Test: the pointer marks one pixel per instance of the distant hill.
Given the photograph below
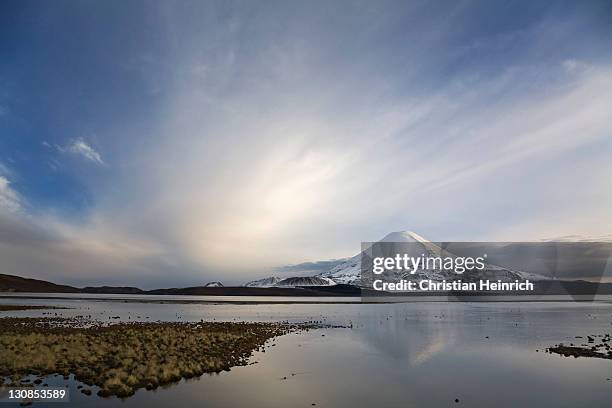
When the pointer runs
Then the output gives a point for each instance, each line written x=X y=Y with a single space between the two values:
x=11 y=283
x=124 y=290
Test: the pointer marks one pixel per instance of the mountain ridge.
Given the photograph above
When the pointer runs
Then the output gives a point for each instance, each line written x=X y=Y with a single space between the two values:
x=10 y=284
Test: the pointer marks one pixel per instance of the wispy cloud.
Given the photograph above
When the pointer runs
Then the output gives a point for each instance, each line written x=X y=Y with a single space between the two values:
x=10 y=200
x=80 y=147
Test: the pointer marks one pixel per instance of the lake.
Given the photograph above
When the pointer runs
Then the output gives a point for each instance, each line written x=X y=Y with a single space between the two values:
x=417 y=354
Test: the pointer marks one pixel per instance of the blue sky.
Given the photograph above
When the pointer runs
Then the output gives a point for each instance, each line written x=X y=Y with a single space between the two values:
x=182 y=142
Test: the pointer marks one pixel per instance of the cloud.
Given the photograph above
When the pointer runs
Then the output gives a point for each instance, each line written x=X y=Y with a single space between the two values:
x=5 y=170
x=295 y=184
x=82 y=148
x=573 y=65
x=10 y=200
x=53 y=249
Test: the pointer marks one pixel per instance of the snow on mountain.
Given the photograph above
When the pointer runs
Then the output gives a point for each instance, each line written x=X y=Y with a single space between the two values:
x=263 y=283
x=305 y=281
x=276 y=282
x=215 y=284
x=349 y=272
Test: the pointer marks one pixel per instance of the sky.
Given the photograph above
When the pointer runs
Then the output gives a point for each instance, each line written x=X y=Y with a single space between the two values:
x=172 y=143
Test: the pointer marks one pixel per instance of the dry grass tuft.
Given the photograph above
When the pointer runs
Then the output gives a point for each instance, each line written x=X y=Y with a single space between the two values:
x=124 y=357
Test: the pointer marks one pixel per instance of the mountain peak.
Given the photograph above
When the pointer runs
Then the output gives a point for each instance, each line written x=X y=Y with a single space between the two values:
x=403 y=236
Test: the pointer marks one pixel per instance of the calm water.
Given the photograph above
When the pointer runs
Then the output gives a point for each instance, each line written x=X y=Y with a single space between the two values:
x=420 y=354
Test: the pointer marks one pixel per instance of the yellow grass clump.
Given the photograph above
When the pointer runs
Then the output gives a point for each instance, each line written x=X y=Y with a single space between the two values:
x=124 y=357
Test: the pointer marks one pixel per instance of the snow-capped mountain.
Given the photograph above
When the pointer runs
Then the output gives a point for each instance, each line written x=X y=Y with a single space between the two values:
x=349 y=272
x=215 y=284
x=274 y=281
x=263 y=283
x=306 y=281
